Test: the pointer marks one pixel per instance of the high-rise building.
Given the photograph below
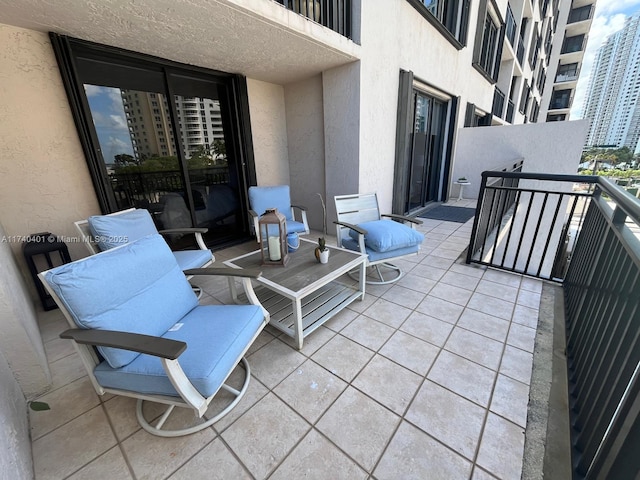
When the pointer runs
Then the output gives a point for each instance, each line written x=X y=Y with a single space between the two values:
x=199 y=123
x=565 y=44
x=612 y=97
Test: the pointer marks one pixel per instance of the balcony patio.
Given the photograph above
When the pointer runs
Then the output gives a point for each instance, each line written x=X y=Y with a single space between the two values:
x=427 y=378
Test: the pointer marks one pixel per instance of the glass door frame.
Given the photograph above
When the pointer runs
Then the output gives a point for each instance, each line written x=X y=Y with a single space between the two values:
x=404 y=140
x=236 y=117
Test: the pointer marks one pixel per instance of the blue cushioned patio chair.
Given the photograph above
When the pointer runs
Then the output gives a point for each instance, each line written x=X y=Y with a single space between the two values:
x=263 y=198
x=140 y=332
x=103 y=232
x=361 y=227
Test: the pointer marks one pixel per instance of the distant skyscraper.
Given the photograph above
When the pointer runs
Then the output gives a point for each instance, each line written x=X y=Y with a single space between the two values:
x=612 y=97
x=150 y=126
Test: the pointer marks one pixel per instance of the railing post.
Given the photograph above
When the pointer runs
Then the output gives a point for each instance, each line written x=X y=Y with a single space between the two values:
x=472 y=240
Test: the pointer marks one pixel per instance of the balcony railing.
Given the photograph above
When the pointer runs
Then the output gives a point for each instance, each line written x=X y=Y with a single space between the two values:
x=589 y=240
x=333 y=14
x=567 y=77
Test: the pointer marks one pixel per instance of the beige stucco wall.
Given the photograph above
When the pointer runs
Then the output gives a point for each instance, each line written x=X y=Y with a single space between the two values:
x=305 y=134
x=269 y=131
x=44 y=179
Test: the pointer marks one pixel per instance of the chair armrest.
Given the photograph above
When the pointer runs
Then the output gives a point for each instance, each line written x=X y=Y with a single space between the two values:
x=183 y=230
x=198 y=231
x=299 y=207
x=135 y=342
x=403 y=218
x=355 y=228
x=227 y=272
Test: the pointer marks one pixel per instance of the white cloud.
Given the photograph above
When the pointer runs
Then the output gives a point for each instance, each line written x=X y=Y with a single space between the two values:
x=602 y=26
x=610 y=7
x=93 y=90
x=118 y=122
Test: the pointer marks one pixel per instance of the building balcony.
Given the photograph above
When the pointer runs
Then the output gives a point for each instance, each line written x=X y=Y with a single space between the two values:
x=463 y=337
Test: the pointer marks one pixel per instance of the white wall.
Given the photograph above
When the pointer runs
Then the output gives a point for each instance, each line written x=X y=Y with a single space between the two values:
x=553 y=147
x=402 y=39
x=15 y=444
x=305 y=133
x=269 y=131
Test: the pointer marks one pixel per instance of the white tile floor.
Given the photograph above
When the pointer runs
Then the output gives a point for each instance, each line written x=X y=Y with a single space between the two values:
x=427 y=378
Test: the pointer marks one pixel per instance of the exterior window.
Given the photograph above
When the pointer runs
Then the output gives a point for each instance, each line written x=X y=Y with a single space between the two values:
x=450 y=17
x=580 y=14
x=567 y=73
x=511 y=27
x=561 y=99
x=556 y=118
x=524 y=98
x=573 y=44
x=489 y=40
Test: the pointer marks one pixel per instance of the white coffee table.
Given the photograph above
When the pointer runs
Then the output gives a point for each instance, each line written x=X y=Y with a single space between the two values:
x=305 y=294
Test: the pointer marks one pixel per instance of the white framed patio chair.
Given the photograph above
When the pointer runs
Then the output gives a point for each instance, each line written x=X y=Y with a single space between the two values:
x=140 y=332
x=383 y=238
x=103 y=232
x=279 y=196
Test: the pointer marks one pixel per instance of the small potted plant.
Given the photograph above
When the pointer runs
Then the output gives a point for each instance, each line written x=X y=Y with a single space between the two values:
x=321 y=251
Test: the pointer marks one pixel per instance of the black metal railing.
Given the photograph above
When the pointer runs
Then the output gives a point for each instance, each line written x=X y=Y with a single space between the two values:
x=589 y=240
x=498 y=103
x=133 y=188
x=333 y=14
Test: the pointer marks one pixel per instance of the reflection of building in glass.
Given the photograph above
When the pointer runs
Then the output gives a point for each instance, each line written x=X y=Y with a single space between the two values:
x=613 y=99
x=200 y=123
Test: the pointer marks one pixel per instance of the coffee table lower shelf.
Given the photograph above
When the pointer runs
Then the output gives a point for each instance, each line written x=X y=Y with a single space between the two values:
x=317 y=307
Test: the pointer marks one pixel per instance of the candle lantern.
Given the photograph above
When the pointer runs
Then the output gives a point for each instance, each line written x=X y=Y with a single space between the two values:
x=273 y=238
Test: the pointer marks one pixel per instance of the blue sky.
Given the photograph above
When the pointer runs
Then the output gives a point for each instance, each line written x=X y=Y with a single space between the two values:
x=609 y=18
x=109 y=120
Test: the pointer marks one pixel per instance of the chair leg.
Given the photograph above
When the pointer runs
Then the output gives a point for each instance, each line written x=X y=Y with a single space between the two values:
x=157 y=428
x=197 y=290
x=397 y=276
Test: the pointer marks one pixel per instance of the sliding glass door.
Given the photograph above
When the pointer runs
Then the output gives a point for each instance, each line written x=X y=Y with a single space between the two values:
x=426 y=152
x=163 y=138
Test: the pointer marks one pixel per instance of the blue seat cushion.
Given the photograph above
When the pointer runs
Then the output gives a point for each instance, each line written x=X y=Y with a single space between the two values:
x=297 y=227
x=192 y=258
x=111 y=231
x=137 y=288
x=351 y=244
x=263 y=198
x=387 y=235
x=216 y=336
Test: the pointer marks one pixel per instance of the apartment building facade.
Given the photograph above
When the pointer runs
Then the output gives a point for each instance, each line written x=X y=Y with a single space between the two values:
x=327 y=96
x=611 y=103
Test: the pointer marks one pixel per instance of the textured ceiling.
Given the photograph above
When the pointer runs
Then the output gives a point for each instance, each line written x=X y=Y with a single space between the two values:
x=257 y=38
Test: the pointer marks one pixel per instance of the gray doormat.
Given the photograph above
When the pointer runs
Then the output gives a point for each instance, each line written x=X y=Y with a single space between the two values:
x=449 y=214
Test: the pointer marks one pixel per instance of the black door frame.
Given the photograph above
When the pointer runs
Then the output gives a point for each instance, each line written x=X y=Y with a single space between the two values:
x=67 y=51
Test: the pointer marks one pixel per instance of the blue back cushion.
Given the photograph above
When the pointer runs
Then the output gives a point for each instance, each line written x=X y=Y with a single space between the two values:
x=136 y=288
x=114 y=230
x=387 y=235
x=262 y=198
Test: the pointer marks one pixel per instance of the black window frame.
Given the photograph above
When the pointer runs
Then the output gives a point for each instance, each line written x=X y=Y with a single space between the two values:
x=490 y=31
x=453 y=25
x=69 y=51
